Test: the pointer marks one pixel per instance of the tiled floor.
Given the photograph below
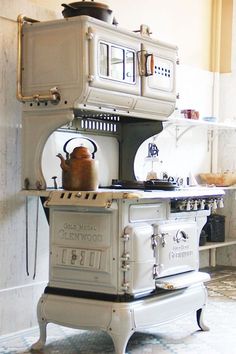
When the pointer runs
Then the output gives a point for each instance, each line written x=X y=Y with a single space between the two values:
x=223 y=284
x=180 y=337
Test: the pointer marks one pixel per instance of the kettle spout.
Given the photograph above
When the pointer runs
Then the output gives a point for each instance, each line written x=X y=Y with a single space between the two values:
x=63 y=165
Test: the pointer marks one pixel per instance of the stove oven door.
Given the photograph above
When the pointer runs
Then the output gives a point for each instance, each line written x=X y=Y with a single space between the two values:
x=175 y=248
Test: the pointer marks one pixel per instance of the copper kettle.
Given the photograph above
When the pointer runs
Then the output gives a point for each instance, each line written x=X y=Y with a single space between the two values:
x=79 y=169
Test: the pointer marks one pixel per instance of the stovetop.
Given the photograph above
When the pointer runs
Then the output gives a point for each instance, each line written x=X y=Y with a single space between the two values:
x=153 y=184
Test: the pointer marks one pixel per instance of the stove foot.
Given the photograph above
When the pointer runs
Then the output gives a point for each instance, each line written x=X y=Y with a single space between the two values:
x=120 y=342
x=200 y=320
x=42 y=330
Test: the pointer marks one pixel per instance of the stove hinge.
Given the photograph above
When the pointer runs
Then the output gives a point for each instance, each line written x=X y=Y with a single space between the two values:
x=125 y=259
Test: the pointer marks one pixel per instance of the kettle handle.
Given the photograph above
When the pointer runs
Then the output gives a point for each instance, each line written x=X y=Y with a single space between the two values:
x=81 y=137
x=68 y=6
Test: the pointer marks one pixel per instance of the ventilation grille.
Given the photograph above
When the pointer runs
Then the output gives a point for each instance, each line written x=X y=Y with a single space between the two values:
x=109 y=126
x=95 y=123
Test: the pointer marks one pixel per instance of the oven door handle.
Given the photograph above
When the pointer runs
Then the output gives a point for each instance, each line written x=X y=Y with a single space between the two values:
x=158 y=241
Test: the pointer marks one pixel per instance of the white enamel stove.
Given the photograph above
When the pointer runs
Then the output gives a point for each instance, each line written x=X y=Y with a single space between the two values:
x=124 y=261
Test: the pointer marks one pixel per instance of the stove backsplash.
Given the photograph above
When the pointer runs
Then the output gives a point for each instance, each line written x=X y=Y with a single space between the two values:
x=173 y=161
x=107 y=155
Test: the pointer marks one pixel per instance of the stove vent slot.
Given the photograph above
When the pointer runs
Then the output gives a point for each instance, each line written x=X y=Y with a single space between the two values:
x=94 y=123
x=104 y=126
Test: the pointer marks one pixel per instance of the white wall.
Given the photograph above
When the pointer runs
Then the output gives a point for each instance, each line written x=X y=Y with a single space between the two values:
x=186 y=23
x=183 y=150
x=19 y=293
x=227 y=149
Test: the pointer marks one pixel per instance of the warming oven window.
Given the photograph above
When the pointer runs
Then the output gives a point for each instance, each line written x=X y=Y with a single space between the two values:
x=116 y=63
x=104 y=59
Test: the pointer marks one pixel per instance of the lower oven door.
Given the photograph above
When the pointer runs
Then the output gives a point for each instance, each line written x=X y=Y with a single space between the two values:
x=175 y=247
x=181 y=281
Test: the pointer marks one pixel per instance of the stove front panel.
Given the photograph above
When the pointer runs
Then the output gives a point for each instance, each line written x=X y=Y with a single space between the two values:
x=121 y=247
x=83 y=250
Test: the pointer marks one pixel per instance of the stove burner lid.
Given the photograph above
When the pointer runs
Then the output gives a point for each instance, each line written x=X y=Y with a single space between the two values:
x=152 y=184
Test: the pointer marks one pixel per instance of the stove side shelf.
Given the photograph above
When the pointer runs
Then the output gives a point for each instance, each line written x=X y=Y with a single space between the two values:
x=183 y=125
x=212 y=247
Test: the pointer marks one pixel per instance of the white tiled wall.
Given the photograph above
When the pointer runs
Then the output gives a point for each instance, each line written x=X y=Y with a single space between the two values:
x=19 y=293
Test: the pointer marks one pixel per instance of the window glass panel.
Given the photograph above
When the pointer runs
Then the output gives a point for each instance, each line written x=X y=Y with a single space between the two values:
x=104 y=71
x=117 y=63
x=130 y=72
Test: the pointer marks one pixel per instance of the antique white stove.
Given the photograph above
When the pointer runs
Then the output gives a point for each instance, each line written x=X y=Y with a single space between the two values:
x=121 y=260
x=124 y=261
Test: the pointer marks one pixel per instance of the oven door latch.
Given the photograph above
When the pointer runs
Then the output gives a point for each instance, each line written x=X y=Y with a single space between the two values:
x=158 y=240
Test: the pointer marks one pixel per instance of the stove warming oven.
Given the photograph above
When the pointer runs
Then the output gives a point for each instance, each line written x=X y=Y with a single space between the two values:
x=121 y=259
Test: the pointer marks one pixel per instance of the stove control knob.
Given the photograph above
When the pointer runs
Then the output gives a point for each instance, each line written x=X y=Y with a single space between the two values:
x=221 y=203
x=214 y=204
x=202 y=205
x=209 y=203
x=188 y=206
x=195 y=205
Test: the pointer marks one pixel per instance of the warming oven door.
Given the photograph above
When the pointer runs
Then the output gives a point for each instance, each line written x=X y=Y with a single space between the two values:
x=158 y=80
x=113 y=61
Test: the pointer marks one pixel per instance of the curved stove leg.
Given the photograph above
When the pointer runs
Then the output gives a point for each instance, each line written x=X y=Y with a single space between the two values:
x=42 y=326
x=120 y=342
x=200 y=320
x=42 y=337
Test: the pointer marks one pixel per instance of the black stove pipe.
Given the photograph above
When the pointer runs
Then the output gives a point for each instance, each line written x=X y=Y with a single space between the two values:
x=133 y=134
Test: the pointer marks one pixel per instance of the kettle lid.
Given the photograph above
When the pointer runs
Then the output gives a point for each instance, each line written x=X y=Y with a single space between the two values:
x=81 y=152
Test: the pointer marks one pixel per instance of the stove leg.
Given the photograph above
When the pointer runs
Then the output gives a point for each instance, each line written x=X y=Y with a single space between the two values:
x=200 y=320
x=42 y=327
x=42 y=337
x=120 y=342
